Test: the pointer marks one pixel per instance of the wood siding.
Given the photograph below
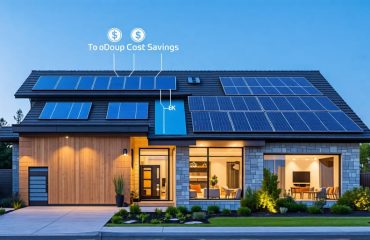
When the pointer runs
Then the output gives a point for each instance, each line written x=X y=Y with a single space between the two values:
x=81 y=168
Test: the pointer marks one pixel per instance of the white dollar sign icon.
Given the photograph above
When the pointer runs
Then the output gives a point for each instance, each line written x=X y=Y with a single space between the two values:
x=138 y=35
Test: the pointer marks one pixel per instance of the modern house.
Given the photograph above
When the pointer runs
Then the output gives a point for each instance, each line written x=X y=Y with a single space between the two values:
x=182 y=137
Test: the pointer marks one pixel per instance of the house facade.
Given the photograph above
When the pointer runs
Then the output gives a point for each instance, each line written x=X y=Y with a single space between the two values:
x=182 y=137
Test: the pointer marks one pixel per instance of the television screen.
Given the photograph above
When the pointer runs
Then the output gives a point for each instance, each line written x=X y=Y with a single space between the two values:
x=301 y=177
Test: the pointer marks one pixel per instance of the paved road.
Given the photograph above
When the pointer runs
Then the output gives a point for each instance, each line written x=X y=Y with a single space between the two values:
x=46 y=221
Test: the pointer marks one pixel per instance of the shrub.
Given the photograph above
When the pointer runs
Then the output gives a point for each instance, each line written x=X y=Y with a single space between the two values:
x=213 y=209
x=196 y=208
x=199 y=215
x=17 y=204
x=266 y=202
x=2 y=211
x=182 y=209
x=300 y=207
x=167 y=216
x=172 y=211
x=143 y=217
x=285 y=202
x=6 y=202
x=135 y=209
x=158 y=212
x=116 y=219
x=314 y=210
x=250 y=199
x=357 y=198
x=320 y=203
x=181 y=217
x=122 y=213
x=226 y=212
x=340 y=209
x=155 y=221
x=244 y=211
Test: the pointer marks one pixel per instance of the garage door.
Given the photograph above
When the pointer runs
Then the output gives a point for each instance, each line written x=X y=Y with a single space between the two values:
x=38 y=186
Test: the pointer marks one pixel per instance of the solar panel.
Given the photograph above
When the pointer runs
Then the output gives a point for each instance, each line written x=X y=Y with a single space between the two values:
x=201 y=122
x=312 y=104
x=239 y=103
x=282 y=103
x=258 y=121
x=101 y=83
x=66 y=110
x=329 y=121
x=346 y=122
x=267 y=103
x=278 y=121
x=296 y=122
x=297 y=103
x=74 y=82
x=67 y=83
x=252 y=103
x=46 y=83
x=127 y=110
x=240 y=122
x=268 y=86
x=210 y=103
x=225 y=103
x=116 y=83
x=196 y=104
x=86 y=83
x=312 y=121
x=220 y=122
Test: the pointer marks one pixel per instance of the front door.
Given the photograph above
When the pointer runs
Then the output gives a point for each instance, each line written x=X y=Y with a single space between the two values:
x=150 y=182
x=38 y=186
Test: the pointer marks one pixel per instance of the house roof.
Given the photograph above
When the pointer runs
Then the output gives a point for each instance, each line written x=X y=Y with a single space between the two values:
x=7 y=135
x=209 y=86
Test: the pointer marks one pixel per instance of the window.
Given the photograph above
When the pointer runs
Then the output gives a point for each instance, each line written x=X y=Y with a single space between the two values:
x=215 y=173
x=306 y=177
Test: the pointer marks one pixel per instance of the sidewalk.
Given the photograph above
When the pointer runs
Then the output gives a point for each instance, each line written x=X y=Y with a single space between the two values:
x=232 y=231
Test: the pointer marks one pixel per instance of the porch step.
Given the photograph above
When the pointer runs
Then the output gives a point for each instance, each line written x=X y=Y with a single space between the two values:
x=156 y=204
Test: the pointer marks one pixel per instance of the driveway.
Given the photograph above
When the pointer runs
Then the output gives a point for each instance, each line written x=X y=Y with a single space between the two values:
x=47 y=221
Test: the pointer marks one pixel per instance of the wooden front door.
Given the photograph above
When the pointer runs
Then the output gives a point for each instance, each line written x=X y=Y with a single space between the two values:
x=150 y=182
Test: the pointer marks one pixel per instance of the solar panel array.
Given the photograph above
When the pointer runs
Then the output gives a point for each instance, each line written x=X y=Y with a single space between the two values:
x=83 y=83
x=268 y=86
x=127 y=110
x=66 y=110
x=268 y=114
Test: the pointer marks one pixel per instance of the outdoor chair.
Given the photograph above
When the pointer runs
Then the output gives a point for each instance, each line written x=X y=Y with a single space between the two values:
x=321 y=194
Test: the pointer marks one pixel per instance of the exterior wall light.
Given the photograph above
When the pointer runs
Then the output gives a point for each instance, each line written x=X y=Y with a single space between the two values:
x=66 y=137
x=125 y=152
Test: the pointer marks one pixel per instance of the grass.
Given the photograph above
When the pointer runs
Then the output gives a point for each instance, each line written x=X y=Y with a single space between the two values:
x=267 y=222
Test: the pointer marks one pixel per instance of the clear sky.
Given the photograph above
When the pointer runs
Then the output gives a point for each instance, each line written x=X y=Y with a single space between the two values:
x=330 y=36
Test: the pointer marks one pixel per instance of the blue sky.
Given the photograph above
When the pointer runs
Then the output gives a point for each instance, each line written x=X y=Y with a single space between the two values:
x=330 y=36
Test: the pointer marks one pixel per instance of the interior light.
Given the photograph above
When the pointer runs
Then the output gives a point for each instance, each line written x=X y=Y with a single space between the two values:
x=67 y=137
x=125 y=152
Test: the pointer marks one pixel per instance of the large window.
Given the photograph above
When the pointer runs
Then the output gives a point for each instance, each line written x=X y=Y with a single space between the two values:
x=306 y=177
x=215 y=173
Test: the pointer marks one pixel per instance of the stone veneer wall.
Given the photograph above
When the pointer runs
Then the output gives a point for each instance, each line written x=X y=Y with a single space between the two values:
x=350 y=160
x=182 y=176
x=253 y=168
x=15 y=168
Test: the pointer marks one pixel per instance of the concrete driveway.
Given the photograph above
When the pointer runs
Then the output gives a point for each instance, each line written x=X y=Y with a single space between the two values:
x=48 y=221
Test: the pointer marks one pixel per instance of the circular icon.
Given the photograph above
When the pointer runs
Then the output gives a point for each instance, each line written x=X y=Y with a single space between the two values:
x=138 y=35
x=114 y=35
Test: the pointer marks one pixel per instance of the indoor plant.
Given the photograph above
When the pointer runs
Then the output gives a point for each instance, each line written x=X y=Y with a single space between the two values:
x=119 y=185
x=214 y=181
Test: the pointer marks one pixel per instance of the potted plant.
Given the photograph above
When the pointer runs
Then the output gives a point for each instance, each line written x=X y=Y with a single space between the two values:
x=119 y=185
x=134 y=197
x=213 y=181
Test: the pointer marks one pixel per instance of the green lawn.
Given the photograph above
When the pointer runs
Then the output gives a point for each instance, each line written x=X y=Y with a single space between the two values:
x=267 y=222
x=288 y=221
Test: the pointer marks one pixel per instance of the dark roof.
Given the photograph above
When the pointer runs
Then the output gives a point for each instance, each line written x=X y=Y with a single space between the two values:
x=209 y=86
x=7 y=135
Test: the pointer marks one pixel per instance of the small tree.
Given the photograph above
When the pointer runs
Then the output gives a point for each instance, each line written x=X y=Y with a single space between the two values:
x=3 y=122
x=270 y=184
x=364 y=157
x=18 y=117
